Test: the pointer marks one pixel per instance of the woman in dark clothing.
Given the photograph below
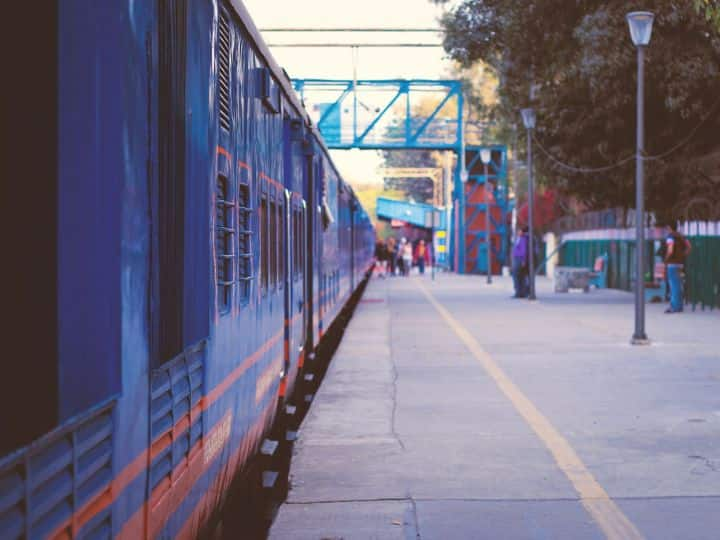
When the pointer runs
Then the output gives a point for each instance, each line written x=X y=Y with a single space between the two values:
x=520 y=264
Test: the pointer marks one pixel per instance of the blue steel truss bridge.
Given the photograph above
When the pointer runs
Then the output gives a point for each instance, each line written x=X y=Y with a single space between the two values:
x=415 y=114
x=384 y=114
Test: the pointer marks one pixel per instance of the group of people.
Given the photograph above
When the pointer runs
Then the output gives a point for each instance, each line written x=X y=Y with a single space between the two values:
x=397 y=258
x=673 y=251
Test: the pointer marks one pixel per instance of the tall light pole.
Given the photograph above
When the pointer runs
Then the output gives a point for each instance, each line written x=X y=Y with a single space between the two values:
x=528 y=116
x=485 y=158
x=640 y=23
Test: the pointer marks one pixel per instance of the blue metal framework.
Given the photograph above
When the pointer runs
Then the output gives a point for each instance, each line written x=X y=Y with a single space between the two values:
x=475 y=204
x=346 y=121
x=382 y=115
x=417 y=214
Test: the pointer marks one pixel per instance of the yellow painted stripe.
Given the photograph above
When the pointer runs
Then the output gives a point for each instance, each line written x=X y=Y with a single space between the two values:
x=593 y=497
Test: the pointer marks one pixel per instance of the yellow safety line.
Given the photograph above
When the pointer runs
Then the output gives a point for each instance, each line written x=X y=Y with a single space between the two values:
x=593 y=497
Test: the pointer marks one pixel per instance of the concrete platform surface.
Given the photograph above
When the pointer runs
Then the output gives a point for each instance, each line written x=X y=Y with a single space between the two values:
x=452 y=411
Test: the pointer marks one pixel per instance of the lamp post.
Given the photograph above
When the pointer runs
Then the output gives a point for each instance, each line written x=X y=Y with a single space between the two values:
x=528 y=116
x=459 y=216
x=640 y=23
x=485 y=158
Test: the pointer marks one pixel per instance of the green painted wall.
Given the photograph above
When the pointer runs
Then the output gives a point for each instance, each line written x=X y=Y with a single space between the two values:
x=702 y=268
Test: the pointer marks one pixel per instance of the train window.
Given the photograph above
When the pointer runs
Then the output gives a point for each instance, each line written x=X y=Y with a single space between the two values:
x=293 y=244
x=185 y=257
x=33 y=282
x=244 y=242
x=223 y=71
x=263 y=228
x=223 y=243
x=297 y=243
x=272 y=244
x=281 y=244
x=302 y=245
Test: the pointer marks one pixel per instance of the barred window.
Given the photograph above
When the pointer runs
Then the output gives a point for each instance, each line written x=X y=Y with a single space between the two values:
x=244 y=242
x=223 y=243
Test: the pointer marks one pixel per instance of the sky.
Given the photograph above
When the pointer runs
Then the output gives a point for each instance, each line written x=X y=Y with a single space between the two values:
x=372 y=63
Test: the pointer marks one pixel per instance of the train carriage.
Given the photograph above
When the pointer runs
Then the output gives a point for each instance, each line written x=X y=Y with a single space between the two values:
x=205 y=244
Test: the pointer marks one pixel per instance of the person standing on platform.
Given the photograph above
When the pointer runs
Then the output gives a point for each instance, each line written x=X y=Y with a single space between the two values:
x=407 y=258
x=677 y=249
x=422 y=256
x=520 y=261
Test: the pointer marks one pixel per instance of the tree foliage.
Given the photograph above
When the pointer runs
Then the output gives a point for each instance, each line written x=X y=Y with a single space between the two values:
x=415 y=189
x=710 y=9
x=574 y=62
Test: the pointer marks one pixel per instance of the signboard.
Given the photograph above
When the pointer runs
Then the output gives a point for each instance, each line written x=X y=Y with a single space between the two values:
x=440 y=243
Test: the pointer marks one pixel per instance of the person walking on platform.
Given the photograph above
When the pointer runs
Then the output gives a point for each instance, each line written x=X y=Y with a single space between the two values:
x=399 y=256
x=422 y=256
x=520 y=254
x=677 y=249
x=381 y=258
x=407 y=258
x=390 y=252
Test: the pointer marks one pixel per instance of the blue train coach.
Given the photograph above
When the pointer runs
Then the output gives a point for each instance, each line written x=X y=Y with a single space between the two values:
x=185 y=243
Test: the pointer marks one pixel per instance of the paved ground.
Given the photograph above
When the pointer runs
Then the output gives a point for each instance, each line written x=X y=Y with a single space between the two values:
x=451 y=411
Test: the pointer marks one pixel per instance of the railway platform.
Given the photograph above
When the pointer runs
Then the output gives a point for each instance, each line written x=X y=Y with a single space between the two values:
x=452 y=411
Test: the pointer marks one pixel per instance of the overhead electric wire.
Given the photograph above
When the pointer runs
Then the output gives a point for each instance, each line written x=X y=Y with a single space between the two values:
x=324 y=45
x=438 y=30
x=582 y=170
x=590 y=170
x=689 y=136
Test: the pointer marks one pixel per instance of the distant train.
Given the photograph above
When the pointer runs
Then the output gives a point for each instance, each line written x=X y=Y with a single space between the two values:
x=198 y=243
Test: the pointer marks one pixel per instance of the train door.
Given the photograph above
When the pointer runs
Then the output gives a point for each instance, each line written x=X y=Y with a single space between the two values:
x=305 y=270
x=353 y=206
x=288 y=285
x=296 y=309
x=308 y=251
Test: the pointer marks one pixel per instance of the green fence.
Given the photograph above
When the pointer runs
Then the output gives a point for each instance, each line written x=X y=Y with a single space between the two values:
x=702 y=268
x=703 y=272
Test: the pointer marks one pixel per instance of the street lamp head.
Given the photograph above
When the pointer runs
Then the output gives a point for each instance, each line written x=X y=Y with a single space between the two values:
x=528 y=116
x=640 y=23
x=485 y=155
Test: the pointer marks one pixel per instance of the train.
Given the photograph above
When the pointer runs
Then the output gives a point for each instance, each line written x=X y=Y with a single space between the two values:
x=191 y=243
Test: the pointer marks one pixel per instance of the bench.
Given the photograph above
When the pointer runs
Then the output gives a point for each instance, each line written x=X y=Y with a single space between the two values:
x=572 y=277
x=599 y=275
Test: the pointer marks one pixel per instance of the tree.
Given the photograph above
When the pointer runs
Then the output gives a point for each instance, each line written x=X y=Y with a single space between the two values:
x=710 y=9
x=575 y=64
